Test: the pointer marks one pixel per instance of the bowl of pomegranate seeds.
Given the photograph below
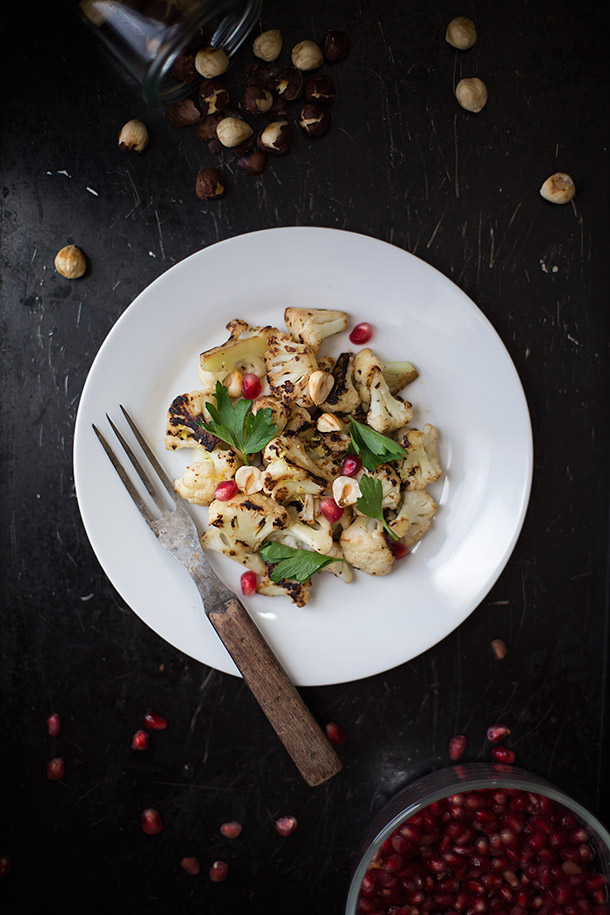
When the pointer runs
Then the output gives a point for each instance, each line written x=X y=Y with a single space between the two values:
x=482 y=838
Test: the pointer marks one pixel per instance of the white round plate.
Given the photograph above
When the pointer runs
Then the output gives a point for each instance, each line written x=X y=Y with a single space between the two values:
x=467 y=388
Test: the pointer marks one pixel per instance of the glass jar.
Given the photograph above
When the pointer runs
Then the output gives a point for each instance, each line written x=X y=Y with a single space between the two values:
x=156 y=39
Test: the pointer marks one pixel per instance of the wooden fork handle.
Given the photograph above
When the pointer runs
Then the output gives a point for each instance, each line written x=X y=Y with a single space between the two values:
x=294 y=724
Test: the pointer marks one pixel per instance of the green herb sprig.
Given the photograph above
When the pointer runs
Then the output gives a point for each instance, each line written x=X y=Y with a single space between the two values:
x=373 y=447
x=292 y=563
x=237 y=426
x=369 y=502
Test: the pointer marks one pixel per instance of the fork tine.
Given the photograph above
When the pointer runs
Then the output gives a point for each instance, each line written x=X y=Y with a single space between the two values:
x=149 y=454
x=133 y=492
x=150 y=489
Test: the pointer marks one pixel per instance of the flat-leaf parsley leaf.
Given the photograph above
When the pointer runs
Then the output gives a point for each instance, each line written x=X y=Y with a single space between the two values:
x=369 y=502
x=237 y=426
x=373 y=447
x=292 y=563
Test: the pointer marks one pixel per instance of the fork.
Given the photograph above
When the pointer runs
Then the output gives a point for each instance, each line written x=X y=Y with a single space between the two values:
x=175 y=529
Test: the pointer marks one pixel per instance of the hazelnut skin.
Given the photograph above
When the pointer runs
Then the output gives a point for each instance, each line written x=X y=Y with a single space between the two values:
x=133 y=136
x=461 y=33
x=471 y=93
x=320 y=90
x=278 y=110
x=213 y=97
x=209 y=184
x=211 y=62
x=70 y=262
x=306 y=55
x=287 y=84
x=276 y=138
x=253 y=162
x=206 y=128
x=183 y=67
x=184 y=113
x=233 y=131
x=335 y=46
x=268 y=45
x=314 y=120
x=559 y=188
x=256 y=100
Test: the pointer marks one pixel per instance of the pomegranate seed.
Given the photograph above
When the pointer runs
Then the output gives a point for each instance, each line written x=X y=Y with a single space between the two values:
x=502 y=755
x=498 y=649
x=497 y=732
x=190 y=865
x=5 y=866
x=225 y=490
x=457 y=745
x=249 y=583
x=250 y=386
x=218 y=871
x=329 y=508
x=151 y=822
x=54 y=725
x=286 y=825
x=139 y=741
x=361 y=333
x=398 y=549
x=351 y=465
x=335 y=733
x=56 y=769
x=595 y=882
x=231 y=830
x=154 y=721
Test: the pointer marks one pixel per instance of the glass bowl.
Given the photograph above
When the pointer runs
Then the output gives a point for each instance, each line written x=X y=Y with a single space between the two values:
x=460 y=779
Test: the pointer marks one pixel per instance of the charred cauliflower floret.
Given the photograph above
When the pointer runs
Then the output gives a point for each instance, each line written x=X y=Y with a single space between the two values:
x=279 y=411
x=386 y=413
x=390 y=484
x=344 y=397
x=289 y=365
x=200 y=479
x=184 y=416
x=398 y=375
x=244 y=350
x=365 y=548
x=313 y=325
x=291 y=449
x=298 y=592
x=363 y=366
x=242 y=524
x=421 y=466
x=287 y=482
x=414 y=516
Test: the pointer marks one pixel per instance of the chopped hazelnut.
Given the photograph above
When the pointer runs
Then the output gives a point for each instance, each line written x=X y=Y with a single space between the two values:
x=233 y=383
x=335 y=46
x=256 y=100
x=249 y=479
x=213 y=97
x=314 y=120
x=471 y=93
x=306 y=55
x=70 y=262
x=211 y=62
x=320 y=90
x=276 y=138
x=559 y=188
x=319 y=386
x=233 y=131
x=328 y=422
x=461 y=33
x=184 y=113
x=287 y=84
x=133 y=136
x=209 y=184
x=268 y=45
x=346 y=491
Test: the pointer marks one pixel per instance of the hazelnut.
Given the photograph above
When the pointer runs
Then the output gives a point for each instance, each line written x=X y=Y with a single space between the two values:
x=133 y=136
x=233 y=383
x=461 y=33
x=233 y=131
x=184 y=113
x=209 y=184
x=314 y=120
x=256 y=100
x=471 y=93
x=328 y=422
x=278 y=110
x=268 y=45
x=213 y=97
x=320 y=90
x=335 y=46
x=287 y=84
x=346 y=491
x=211 y=62
x=319 y=386
x=306 y=55
x=253 y=162
x=70 y=262
x=249 y=479
x=559 y=188
x=276 y=138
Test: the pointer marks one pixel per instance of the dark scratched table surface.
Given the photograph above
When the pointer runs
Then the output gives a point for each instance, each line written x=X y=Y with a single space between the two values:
x=402 y=163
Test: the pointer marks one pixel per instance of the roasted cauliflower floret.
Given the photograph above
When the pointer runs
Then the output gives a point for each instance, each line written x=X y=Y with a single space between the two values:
x=313 y=325
x=364 y=363
x=291 y=449
x=298 y=592
x=299 y=421
x=398 y=375
x=289 y=365
x=279 y=411
x=342 y=569
x=365 y=547
x=386 y=412
x=344 y=397
x=200 y=479
x=414 y=516
x=390 y=484
x=421 y=466
x=287 y=482
x=246 y=521
x=244 y=350
x=184 y=416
